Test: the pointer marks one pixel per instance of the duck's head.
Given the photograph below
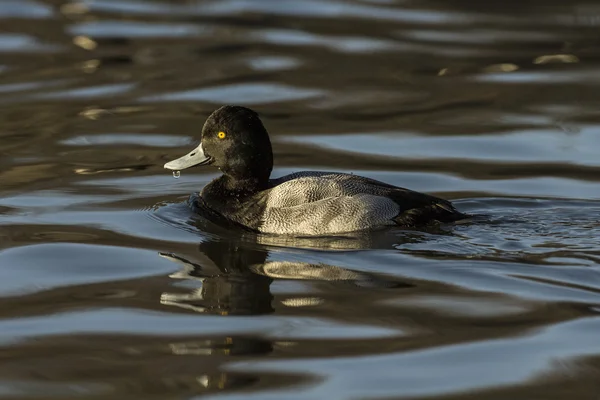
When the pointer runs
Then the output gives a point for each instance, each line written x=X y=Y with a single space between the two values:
x=234 y=140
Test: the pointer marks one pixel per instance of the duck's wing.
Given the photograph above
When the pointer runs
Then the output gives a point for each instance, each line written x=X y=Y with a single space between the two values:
x=304 y=187
x=418 y=208
x=332 y=215
x=324 y=203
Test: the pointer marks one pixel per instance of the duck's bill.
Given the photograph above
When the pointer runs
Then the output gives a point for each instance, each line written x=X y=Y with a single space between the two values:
x=191 y=159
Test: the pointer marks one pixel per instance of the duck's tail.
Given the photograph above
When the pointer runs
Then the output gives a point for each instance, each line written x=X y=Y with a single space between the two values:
x=439 y=212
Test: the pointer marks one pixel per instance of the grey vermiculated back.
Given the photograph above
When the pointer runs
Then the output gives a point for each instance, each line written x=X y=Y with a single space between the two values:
x=302 y=187
x=320 y=203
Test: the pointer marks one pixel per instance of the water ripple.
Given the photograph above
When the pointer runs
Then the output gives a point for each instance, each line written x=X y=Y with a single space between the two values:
x=104 y=29
x=21 y=43
x=25 y=9
x=246 y=93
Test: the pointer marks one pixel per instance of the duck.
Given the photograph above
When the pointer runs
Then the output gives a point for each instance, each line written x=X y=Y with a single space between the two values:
x=306 y=203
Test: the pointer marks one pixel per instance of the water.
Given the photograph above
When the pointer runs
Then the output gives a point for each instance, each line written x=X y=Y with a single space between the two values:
x=113 y=289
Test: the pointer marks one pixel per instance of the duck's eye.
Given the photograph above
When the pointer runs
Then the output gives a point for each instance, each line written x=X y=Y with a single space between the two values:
x=221 y=135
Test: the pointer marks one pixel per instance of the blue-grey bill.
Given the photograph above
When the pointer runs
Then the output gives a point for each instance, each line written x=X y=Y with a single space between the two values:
x=191 y=159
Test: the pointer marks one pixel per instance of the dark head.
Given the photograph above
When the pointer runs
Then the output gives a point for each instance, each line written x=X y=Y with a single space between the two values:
x=234 y=140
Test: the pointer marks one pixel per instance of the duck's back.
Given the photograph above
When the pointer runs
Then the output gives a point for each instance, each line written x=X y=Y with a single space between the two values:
x=321 y=203
x=309 y=186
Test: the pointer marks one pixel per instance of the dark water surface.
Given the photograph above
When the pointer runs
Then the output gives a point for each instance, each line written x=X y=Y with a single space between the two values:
x=112 y=289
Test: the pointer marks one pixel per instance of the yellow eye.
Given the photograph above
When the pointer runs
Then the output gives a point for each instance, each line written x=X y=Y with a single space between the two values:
x=221 y=135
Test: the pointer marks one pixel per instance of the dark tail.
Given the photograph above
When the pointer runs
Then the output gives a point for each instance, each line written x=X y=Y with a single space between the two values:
x=425 y=215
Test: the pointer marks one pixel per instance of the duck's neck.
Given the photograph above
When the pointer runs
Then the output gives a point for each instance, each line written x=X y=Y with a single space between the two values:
x=241 y=187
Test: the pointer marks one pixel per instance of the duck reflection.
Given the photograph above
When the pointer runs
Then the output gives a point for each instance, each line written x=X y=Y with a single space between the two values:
x=230 y=346
x=228 y=286
x=235 y=274
x=232 y=276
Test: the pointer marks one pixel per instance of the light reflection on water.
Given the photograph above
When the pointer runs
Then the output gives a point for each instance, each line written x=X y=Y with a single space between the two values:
x=525 y=146
x=112 y=288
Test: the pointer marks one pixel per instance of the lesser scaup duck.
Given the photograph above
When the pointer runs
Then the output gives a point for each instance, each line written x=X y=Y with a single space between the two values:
x=303 y=203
